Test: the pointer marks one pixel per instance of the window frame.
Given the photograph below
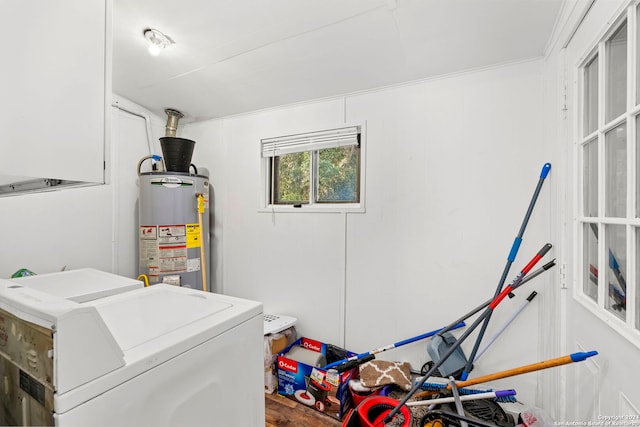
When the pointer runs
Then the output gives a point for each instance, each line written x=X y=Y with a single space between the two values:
x=629 y=327
x=317 y=207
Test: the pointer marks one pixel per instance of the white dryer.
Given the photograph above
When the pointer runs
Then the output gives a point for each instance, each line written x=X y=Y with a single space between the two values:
x=128 y=355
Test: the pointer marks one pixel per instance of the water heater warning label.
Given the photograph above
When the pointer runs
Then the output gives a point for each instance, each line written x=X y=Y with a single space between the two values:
x=163 y=248
x=177 y=264
x=149 y=232
x=193 y=235
x=172 y=246
x=171 y=232
x=149 y=248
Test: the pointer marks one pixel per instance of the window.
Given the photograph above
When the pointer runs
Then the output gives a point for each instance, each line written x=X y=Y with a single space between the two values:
x=608 y=176
x=318 y=169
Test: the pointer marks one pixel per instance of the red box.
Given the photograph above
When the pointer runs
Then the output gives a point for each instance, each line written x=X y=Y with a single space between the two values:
x=312 y=386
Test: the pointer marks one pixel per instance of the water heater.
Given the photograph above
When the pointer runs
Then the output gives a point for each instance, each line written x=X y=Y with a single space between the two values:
x=173 y=216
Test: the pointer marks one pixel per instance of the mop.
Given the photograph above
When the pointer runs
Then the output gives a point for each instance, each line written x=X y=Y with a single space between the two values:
x=512 y=256
x=492 y=305
x=459 y=358
x=350 y=362
x=524 y=280
x=502 y=396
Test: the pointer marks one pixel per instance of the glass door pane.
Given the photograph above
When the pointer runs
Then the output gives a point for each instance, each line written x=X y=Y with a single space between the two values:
x=616 y=272
x=590 y=119
x=590 y=178
x=616 y=172
x=637 y=58
x=616 y=74
x=637 y=232
x=590 y=254
x=637 y=192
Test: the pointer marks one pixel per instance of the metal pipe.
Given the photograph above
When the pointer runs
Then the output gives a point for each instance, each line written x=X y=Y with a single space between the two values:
x=172 y=121
x=147 y=122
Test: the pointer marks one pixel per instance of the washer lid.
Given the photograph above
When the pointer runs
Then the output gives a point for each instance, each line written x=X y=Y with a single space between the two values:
x=138 y=317
x=149 y=326
x=82 y=285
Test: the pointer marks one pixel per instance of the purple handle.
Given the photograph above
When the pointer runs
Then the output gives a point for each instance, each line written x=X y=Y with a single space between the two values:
x=504 y=393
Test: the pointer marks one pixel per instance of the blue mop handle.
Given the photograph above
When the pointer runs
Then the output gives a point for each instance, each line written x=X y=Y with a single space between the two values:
x=423 y=336
x=389 y=347
x=516 y=245
x=545 y=170
x=510 y=259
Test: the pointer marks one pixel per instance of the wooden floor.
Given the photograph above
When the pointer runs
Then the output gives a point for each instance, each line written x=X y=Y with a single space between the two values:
x=283 y=412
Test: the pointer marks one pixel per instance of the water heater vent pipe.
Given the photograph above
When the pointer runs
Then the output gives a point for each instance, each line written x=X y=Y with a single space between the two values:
x=172 y=121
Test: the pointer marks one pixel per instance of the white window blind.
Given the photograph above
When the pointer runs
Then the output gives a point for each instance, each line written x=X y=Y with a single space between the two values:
x=272 y=147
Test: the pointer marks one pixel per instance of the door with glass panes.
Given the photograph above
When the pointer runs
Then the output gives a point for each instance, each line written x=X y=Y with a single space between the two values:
x=603 y=213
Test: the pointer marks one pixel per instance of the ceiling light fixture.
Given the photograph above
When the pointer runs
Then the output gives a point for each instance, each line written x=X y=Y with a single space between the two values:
x=157 y=40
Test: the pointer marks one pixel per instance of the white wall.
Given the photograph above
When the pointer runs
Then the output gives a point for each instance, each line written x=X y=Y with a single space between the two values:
x=451 y=165
x=552 y=322
x=45 y=232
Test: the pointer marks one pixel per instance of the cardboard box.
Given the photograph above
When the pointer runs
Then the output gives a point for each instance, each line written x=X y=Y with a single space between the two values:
x=274 y=344
x=302 y=382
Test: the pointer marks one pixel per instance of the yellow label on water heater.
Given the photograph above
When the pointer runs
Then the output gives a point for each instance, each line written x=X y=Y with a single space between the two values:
x=193 y=235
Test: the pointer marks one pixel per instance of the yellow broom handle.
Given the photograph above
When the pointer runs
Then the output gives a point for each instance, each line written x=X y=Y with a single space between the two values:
x=574 y=357
x=516 y=371
x=202 y=260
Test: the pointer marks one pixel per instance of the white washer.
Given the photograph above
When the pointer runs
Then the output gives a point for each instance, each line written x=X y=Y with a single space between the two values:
x=161 y=355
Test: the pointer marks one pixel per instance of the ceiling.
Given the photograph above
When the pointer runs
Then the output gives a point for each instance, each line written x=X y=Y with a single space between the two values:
x=234 y=56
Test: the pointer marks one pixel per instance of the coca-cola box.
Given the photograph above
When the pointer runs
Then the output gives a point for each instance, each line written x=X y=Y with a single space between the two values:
x=301 y=377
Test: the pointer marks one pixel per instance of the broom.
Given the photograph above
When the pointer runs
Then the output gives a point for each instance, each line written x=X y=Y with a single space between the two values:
x=558 y=361
x=498 y=394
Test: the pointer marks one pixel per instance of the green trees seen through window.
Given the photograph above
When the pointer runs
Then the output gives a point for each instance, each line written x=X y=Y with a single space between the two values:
x=335 y=173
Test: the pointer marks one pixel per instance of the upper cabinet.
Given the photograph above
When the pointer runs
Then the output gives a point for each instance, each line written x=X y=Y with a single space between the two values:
x=55 y=83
